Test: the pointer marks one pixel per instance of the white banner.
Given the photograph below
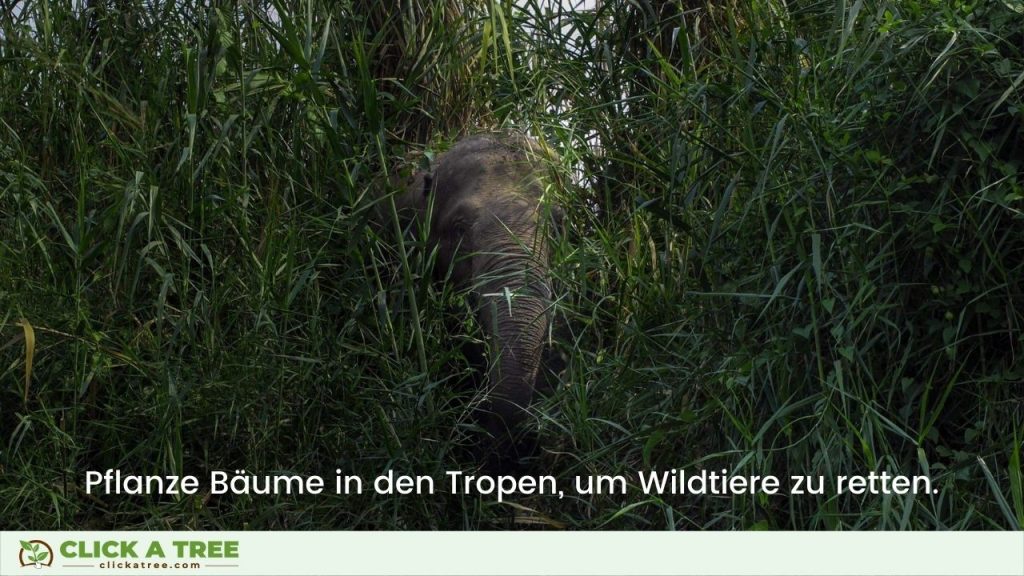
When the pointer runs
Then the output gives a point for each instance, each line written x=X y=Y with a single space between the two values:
x=508 y=553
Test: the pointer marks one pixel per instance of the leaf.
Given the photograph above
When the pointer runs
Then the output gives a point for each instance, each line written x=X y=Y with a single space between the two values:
x=851 y=20
x=816 y=257
x=30 y=352
x=508 y=298
x=1013 y=88
x=760 y=525
x=1004 y=506
x=41 y=556
x=26 y=545
x=1016 y=492
x=652 y=441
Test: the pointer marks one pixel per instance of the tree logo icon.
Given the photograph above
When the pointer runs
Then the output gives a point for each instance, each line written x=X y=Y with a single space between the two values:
x=35 y=553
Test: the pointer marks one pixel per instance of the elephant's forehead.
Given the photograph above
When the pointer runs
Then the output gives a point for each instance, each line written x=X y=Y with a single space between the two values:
x=489 y=209
x=489 y=174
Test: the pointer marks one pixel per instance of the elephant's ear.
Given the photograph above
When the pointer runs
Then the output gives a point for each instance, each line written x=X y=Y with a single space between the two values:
x=557 y=215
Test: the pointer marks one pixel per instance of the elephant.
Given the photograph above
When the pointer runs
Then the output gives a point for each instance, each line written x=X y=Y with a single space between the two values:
x=482 y=202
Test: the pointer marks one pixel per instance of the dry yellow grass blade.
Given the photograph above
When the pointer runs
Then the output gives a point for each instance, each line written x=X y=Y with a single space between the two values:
x=531 y=517
x=30 y=352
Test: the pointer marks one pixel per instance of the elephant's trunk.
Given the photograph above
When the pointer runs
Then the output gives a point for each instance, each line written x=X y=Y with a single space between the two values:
x=514 y=300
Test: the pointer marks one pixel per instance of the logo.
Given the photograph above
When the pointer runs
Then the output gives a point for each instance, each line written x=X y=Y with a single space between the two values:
x=35 y=553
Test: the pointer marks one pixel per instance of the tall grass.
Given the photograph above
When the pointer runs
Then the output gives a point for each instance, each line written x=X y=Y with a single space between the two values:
x=794 y=245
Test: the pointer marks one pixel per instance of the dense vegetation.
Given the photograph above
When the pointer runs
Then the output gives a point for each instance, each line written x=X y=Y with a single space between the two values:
x=794 y=244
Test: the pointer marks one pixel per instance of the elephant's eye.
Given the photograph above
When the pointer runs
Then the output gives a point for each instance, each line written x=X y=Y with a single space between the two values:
x=428 y=182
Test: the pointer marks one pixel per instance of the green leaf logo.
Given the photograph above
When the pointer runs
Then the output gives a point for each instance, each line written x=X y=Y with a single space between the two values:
x=35 y=552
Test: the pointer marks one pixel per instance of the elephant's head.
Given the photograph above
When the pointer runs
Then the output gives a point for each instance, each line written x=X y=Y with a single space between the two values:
x=482 y=200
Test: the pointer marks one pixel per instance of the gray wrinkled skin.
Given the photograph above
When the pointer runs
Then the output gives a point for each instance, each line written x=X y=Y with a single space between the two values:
x=485 y=217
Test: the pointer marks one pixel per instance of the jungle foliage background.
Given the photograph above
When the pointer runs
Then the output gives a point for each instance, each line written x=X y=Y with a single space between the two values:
x=793 y=245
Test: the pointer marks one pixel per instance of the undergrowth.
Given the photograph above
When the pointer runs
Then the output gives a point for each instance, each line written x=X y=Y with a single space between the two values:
x=793 y=245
